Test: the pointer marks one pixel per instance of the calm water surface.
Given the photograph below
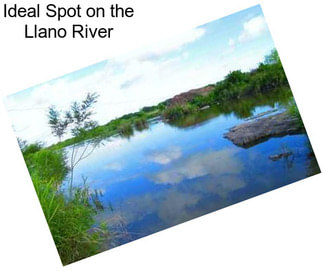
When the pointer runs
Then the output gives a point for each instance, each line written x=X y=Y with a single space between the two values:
x=171 y=173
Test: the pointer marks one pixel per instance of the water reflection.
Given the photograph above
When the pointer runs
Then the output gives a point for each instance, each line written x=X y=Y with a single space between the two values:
x=241 y=109
x=166 y=156
x=171 y=173
x=212 y=163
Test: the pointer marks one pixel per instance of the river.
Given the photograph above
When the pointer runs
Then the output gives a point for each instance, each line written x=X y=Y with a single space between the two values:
x=170 y=173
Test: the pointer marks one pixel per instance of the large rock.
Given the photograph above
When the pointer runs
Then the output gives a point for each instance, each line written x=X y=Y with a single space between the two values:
x=252 y=132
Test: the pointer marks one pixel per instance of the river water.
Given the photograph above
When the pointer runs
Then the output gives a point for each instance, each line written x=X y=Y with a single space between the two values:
x=171 y=173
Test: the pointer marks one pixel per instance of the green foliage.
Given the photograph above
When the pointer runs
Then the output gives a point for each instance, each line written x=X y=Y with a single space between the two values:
x=141 y=124
x=201 y=101
x=272 y=58
x=179 y=111
x=47 y=165
x=32 y=148
x=79 y=117
x=267 y=78
x=55 y=122
x=125 y=129
x=70 y=222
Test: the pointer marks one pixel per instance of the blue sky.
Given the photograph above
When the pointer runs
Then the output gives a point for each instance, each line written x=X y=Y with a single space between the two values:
x=150 y=75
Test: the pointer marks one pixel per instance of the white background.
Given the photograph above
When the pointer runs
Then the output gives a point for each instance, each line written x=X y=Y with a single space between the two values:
x=280 y=230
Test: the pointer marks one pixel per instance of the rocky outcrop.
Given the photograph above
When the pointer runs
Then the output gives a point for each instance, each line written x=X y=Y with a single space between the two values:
x=252 y=132
x=189 y=95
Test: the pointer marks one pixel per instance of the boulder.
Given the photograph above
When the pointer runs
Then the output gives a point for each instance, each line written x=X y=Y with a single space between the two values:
x=252 y=132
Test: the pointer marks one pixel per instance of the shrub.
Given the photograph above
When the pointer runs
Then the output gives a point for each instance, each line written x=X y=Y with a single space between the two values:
x=125 y=129
x=47 y=165
x=141 y=124
x=179 y=111
x=32 y=148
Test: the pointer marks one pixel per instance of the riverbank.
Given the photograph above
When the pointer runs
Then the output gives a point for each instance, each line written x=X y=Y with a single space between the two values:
x=71 y=218
x=234 y=88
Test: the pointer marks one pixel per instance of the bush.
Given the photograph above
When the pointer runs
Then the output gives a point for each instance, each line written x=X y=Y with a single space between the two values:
x=125 y=129
x=179 y=111
x=32 y=148
x=47 y=165
x=141 y=124
x=266 y=78
x=201 y=101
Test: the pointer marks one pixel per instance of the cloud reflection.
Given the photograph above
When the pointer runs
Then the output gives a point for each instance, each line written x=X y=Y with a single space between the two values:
x=115 y=166
x=216 y=174
x=199 y=165
x=166 y=156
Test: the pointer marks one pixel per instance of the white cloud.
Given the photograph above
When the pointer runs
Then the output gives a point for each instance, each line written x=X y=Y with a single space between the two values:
x=166 y=156
x=253 y=28
x=174 y=44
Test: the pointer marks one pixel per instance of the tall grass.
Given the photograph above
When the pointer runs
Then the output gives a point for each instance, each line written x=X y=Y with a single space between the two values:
x=70 y=220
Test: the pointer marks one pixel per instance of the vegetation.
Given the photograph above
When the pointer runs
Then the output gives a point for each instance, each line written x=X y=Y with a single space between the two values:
x=70 y=220
x=125 y=129
x=268 y=76
x=57 y=124
x=141 y=124
x=293 y=110
x=47 y=165
x=114 y=126
x=179 y=111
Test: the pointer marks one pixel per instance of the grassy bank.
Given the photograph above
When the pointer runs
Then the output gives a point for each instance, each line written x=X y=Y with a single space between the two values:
x=70 y=220
x=123 y=126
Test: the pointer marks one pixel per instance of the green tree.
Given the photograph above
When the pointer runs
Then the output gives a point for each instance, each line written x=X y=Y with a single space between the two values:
x=78 y=118
x=272 y=58
x=80 y=115
x=56 y=123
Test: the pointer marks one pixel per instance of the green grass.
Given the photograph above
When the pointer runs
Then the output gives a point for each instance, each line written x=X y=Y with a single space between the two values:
x=70 y=220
